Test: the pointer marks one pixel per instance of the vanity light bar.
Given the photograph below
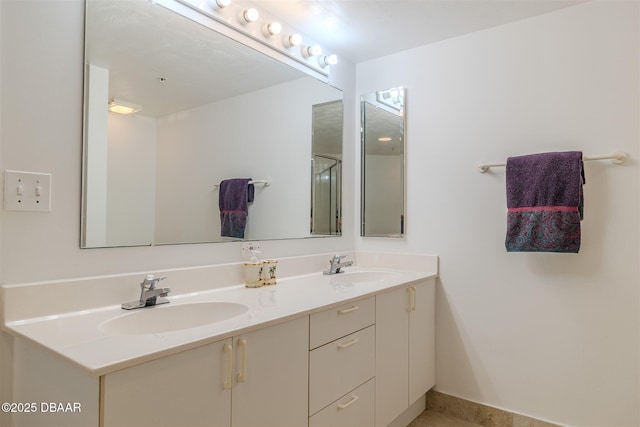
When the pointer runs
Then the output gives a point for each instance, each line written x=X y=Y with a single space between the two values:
x=245 y=20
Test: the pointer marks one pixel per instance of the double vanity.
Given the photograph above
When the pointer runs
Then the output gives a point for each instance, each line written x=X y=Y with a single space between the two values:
x=349 y=349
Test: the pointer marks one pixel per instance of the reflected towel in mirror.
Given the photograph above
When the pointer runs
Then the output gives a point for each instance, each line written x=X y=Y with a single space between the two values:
x=233 y=200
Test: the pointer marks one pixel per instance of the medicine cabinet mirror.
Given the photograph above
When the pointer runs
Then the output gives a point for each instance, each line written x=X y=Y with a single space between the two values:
x=210 y=108
x=383 y=163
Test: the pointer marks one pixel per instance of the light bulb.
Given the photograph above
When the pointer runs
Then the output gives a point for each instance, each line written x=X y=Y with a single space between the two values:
x=293 y=40
x=219 y=3
x=309 y=51
x=328 y=60
x=274 y=28
x=251 y=15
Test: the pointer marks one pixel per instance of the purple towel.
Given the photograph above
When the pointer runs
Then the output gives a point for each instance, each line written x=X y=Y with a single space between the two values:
x=544 y=201
x=233 y=200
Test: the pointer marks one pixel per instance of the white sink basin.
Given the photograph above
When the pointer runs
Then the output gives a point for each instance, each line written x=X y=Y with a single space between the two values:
x=364 y=277
x=167 y=318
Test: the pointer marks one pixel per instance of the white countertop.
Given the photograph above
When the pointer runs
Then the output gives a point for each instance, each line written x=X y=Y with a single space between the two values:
x=76 y=336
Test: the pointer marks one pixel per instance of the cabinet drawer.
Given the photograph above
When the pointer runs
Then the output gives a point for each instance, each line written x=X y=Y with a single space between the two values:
x=337 y=322
x=340 y=366
x=355 y=409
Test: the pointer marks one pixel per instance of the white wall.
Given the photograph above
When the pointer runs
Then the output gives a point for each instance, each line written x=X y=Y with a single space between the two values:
x=554 y=336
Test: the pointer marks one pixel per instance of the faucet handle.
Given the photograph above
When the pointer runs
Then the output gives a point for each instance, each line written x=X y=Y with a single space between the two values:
x=151 y=280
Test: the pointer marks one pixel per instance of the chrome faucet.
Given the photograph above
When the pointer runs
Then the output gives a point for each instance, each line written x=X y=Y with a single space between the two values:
x=149 y=294
x=336 y=265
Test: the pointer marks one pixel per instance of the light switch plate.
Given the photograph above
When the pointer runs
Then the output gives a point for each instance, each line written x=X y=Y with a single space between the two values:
x=27 y=191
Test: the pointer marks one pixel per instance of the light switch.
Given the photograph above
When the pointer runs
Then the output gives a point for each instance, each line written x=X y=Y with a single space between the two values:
x=27 y=191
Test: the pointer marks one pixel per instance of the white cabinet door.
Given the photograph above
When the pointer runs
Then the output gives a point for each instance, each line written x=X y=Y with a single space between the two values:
x=392 y=355
x=405 y=332
x=271 y=376
x=256 y=379
x=422 y=372
x=184 y=389
x=41 y=377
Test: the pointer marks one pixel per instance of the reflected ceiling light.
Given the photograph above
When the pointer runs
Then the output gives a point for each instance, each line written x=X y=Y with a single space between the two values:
x=251 y=15
x=328 y=60
x=123 y=107
x=314 y=50
x=293 y=40
x=220 y=3
x=384 y=139
x=274 y=28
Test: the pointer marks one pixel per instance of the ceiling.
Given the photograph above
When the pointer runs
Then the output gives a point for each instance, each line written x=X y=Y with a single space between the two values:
x=359 y=30
x=167 y=63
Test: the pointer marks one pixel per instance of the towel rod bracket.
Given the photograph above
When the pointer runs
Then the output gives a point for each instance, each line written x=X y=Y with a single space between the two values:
x=620 y=157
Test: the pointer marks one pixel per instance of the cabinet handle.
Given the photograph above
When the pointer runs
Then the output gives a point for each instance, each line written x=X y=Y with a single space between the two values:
x=349 y=344
x=228 y=351
x=413 y=298
x=348 y=310
x=409 y=299
x=349 y=403
x=242 y=376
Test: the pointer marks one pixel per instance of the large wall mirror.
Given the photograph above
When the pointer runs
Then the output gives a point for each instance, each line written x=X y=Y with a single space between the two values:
x=210 y=109
x=383 y=163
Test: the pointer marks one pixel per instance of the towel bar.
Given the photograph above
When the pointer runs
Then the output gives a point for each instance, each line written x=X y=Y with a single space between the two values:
x=618 y=157
x=258 y=181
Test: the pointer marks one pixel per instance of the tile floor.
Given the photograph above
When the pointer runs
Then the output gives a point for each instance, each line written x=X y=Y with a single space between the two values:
x=444 y=410
x=430 y=418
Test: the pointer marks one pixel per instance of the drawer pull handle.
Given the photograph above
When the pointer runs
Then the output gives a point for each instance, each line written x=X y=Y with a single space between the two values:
x=348 y=344
x=228 y=350
x=242 y=376
x=351 y=401
x=348 y=310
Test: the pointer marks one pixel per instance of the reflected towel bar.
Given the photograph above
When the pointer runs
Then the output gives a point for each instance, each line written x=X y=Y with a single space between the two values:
x=258 y=181
x=618 y=157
